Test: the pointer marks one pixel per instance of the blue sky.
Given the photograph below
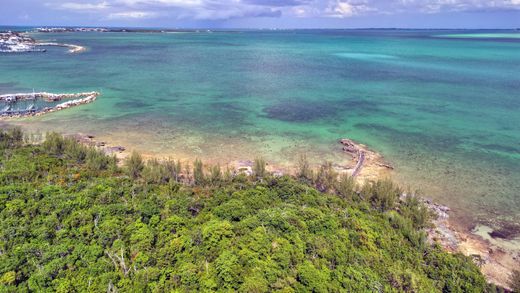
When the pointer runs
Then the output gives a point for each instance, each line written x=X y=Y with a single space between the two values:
x=264 y=13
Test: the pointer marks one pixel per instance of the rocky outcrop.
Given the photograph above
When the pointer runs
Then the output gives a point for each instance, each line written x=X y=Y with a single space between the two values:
x=364 y=159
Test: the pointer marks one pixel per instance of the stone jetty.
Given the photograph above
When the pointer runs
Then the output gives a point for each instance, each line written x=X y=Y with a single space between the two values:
x=10 y=101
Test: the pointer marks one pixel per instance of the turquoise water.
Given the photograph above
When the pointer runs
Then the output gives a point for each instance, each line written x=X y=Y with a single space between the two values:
x=443 y=110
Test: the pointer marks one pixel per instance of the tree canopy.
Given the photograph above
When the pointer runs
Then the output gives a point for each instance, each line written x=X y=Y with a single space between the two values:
x=71 y=220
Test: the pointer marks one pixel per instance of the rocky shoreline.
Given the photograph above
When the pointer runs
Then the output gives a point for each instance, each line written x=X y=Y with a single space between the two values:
x=368 y=165
x=495 y=262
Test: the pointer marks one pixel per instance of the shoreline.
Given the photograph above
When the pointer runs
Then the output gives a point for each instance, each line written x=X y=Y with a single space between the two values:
x=495 y=262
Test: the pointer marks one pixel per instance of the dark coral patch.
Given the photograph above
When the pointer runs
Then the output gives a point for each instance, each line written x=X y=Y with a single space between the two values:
x=300 y=111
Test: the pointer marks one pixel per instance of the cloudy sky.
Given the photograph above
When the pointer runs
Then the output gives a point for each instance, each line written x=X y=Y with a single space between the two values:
x=264 y=13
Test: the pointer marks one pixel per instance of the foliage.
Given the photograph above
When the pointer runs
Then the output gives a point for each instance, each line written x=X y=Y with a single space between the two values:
x=414 y=209
x=134 y=165
x=304 y=169
x=259 y=170
x=383 y=194
x=68 y=227
x=198 y=172
x=326 y=178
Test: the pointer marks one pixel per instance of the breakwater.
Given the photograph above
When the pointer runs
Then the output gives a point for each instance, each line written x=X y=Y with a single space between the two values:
x=11 y=108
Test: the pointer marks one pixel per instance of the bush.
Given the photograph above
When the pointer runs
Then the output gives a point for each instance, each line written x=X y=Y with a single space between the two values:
x=74 y=150
x=215 y=175
x=98 y=161
x=413 y=209
x=304 y=173
x=327 y=178
x=173 y=169
x=11 y=138
x=156 y=172
x=198 y=173
x=134 y=165
x=54 y=144
x=346 y=186
x=259 y=170
x=382 y=194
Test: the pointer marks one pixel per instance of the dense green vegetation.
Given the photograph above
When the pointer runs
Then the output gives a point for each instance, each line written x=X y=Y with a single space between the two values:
x=71 y=220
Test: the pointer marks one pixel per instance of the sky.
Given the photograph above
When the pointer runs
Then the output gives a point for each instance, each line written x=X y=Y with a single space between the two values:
x=264 y=13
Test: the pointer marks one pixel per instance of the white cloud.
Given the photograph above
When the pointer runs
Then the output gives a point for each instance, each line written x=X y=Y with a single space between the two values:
x=344 y=9
x=84 y=6
x=436 y=6
x=173 y=3
x=132 y=15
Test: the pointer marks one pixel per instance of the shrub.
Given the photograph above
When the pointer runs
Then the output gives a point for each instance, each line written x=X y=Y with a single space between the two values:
x=11 y=138
x=174 y=169
x=413 y=209
x=198 y=173
x=98 y=161
x=304 y=169
x=134 y=165
x=346 y=186
x=54 y=144
x=327 y=177
x=74 y=150
x=259 y=170
x=156 y=172
x=382 y=194
x=215 y=175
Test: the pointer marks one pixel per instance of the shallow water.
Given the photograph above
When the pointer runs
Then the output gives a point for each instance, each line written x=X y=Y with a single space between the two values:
x=444 y=111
